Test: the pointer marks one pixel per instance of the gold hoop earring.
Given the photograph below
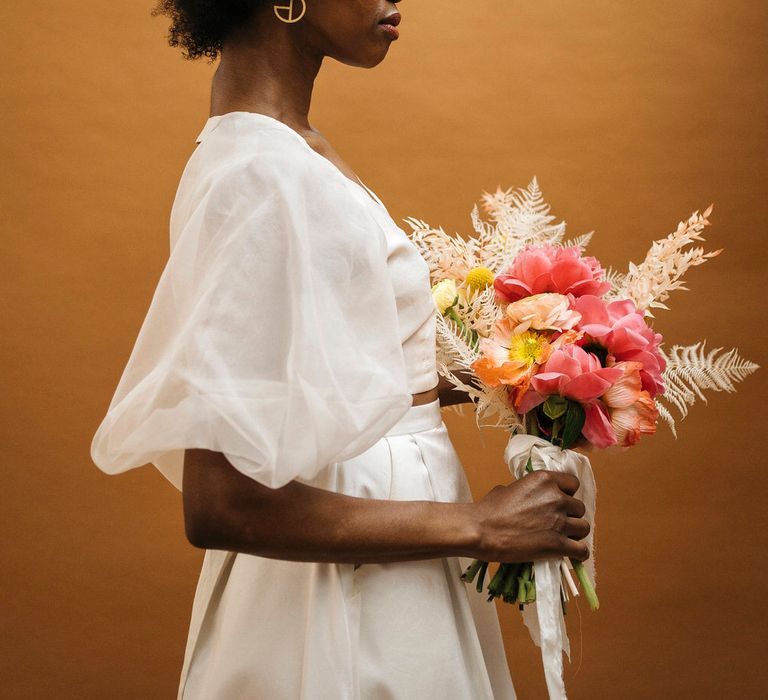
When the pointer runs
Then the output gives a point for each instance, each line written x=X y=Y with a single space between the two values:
x=289 y=19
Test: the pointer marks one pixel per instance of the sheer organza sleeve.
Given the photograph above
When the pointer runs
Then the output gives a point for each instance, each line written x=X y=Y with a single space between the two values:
x=272 y=336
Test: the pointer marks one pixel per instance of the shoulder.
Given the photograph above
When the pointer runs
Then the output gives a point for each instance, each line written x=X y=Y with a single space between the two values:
x=249 y=171
x=242 y=149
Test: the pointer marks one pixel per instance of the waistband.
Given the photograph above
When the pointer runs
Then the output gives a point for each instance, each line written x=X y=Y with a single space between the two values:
x=425 y=416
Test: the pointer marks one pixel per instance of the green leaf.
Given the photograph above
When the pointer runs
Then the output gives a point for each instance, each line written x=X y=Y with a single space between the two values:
x=555 y=406
x=574 y=422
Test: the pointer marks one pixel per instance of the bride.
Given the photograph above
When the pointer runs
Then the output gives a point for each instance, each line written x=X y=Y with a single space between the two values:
x=284 y=380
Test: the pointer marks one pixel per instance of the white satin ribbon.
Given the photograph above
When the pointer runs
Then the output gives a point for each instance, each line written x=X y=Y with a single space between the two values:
x=545 y=622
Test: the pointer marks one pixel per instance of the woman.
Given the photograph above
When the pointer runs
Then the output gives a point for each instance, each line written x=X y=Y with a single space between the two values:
x=284 y=380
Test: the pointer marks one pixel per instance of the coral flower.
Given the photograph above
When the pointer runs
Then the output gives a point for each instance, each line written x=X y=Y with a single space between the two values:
x=543 y=312
x=511 y=358
x=624 y=413
x=621 y=329
x=548 y=268
x=572 y=373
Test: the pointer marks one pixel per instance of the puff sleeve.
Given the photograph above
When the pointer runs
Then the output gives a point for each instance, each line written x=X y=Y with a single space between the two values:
x=272 y=335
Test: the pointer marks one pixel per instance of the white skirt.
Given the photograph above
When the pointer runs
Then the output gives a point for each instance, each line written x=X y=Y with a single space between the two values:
x=266 y=629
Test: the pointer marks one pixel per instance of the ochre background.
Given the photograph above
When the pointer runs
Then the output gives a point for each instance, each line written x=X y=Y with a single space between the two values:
x=631 y=114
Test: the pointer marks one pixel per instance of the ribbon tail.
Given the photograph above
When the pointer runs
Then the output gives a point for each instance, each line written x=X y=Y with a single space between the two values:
x=550 y=619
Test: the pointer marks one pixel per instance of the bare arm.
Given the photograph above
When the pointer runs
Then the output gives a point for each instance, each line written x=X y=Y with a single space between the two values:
x=449 y=394
x=224 y=509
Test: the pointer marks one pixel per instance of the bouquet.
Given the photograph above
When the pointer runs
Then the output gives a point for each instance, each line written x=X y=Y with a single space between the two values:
x=561 y=353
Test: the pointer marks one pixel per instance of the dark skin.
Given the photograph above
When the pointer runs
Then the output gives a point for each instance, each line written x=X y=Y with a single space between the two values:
x=270 y=67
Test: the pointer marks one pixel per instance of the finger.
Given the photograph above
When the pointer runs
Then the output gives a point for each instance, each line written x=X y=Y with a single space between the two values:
x=576 y=528
x=567 y=482
x=575 y=507
x=575 y=549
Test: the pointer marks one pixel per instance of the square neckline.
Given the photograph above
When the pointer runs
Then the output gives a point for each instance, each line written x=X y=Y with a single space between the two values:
x=360 y=186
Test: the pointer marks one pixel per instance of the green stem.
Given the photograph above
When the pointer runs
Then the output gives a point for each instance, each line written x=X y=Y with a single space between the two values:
x=586 y=584
x=522 y=588
x=508 y=587
x=481 y=579
x=522 y=583
x=469 y=575
x=495 y=585
x=531 y=593
x=468 y=336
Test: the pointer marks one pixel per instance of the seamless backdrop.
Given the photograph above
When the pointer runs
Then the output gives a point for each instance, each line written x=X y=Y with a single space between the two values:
x=632 y=115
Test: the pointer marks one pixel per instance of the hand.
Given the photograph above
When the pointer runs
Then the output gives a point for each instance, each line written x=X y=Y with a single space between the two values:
x=535 y=517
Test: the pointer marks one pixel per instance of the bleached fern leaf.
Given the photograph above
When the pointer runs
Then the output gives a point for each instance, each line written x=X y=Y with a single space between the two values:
x=581 y=241
x=453 y=350
x=691 y=370
x=479 y=312
x=617 y=281
x=521 y=218
x=448 y=256
x=483 y=229
x=503 y=201
x=666 y=416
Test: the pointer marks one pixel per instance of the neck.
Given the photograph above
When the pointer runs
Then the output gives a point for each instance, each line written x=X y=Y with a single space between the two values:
x=267 y=68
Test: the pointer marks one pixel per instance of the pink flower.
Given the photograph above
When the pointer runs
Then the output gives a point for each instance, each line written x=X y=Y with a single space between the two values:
x=621 y=330
x=632 y=410
x=548 y=268
x=572 y=373
x=597 y=426
x=623 y=414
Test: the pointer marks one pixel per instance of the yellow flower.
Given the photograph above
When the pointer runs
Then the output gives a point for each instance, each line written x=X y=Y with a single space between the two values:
x=511 y=359
x=444 y=295
x=529 y=348
x=479 y=278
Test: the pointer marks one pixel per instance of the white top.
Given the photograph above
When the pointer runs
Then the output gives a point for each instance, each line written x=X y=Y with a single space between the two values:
x=290 y=326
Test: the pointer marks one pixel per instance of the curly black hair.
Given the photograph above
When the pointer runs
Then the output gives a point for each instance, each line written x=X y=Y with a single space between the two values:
x=200 y=27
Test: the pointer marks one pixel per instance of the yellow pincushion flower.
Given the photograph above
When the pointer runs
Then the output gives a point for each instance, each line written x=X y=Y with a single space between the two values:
x=479 y=278
x=445 y=295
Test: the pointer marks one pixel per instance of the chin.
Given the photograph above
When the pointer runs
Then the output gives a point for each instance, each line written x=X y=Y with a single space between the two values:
x=371 y=63
x=367 y=58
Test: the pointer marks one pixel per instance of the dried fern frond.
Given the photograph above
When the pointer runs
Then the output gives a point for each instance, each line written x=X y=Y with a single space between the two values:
x=521 y=218
x=666 y=416
x=581 y=241
x=486 y=232
x=617 y=281
x=480 y=312
x=691 y=371
x=448 y=256
x=650 y=283
x=501 y=200
x=518 y=218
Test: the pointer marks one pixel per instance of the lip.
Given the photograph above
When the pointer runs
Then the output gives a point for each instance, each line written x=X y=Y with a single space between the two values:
x=393 y=19
x=389 y=24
